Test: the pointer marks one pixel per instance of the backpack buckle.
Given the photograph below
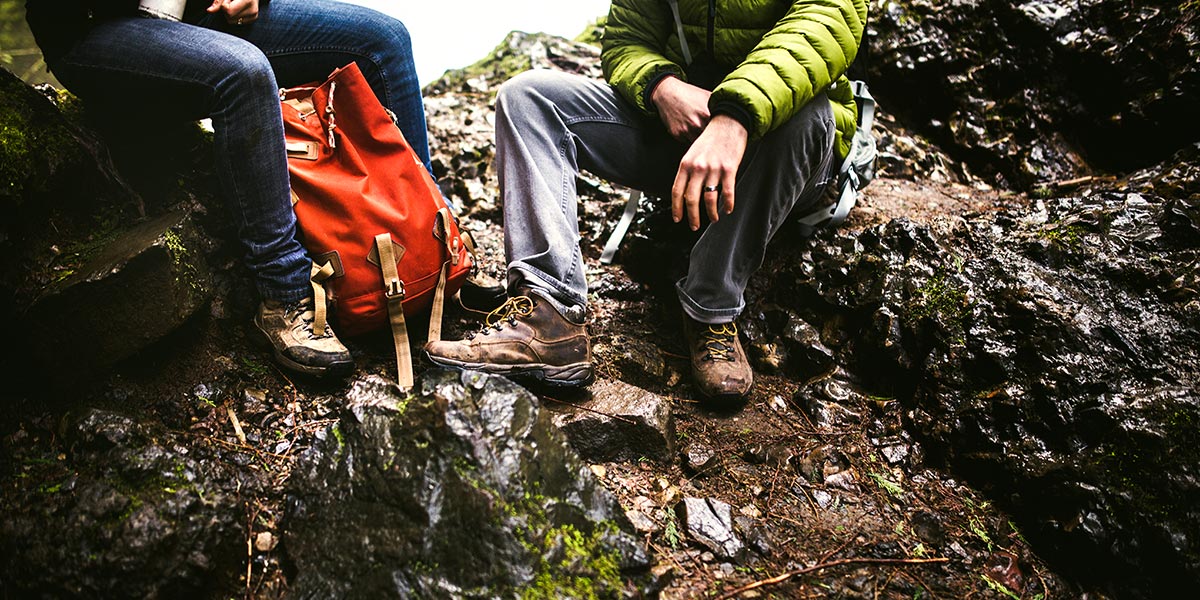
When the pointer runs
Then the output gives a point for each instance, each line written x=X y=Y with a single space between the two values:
x=395 y=289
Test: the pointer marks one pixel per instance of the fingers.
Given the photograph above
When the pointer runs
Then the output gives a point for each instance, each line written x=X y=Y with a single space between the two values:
x=694 y=191
x=237 y=12
x=685 y=198
x=712 y=195
x=728 y=185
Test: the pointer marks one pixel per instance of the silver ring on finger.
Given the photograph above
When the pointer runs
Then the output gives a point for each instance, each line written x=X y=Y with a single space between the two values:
x=712 y=188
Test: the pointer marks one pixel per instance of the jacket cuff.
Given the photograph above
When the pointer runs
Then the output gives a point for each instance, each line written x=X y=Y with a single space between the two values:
x=737 y=111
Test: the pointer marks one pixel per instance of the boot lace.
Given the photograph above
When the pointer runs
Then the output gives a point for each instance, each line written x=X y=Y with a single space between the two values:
x=719 y=341
x=301 y=316
x=517 y=307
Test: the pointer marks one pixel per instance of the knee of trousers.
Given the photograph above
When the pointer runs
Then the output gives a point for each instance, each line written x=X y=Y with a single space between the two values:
x=249 y=73
x=804 y=138
x=531 y=92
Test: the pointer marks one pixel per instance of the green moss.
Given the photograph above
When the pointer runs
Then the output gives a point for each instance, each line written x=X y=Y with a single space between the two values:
x=30 y=134
x=1069 y=236
x=183 y=260
x=340 y=437
x=594 y=33
x=587 y=571
x=15 y=163
x=941 y=299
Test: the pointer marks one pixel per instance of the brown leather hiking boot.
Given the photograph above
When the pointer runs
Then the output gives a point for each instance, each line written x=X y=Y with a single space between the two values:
x=719 y=364
x=524 y=338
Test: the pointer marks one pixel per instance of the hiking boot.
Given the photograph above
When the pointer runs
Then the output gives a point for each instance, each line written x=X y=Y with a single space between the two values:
x=526 y=337
x=289 y=329
x=719 y=364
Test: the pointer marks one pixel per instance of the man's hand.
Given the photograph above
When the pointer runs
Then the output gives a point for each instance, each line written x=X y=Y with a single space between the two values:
x=682 y=107
x=708 y=172
x=237 y=12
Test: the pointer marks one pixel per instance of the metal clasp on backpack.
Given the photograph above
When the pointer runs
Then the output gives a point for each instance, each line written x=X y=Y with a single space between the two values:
x=395 y=289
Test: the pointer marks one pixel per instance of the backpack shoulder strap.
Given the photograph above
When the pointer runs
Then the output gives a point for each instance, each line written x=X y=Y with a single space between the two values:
x=622 y=226
x=683 y=45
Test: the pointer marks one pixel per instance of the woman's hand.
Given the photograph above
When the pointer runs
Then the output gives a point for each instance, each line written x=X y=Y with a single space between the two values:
x=237 y=12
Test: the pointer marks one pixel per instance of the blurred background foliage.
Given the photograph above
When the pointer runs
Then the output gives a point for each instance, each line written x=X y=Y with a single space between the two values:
x=18 y=52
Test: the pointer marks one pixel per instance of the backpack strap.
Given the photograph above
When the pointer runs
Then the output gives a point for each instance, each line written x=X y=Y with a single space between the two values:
x=857 y=168
x=683 y=45
x=614 y=239
x=441 y=231
x=317 y=277
x=393 y=290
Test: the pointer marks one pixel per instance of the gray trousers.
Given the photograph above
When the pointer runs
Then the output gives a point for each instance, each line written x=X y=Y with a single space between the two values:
x=549 y=125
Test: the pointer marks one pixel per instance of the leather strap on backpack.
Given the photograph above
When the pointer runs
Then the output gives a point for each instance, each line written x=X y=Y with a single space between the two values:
x=317 y=277
x=393 y=290
x=441 y=231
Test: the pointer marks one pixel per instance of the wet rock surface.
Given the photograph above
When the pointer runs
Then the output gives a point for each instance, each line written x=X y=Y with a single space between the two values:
x=1031 y=92
x=617 y=421
x=126 y=510
x=1049 y=357
x=466 y=490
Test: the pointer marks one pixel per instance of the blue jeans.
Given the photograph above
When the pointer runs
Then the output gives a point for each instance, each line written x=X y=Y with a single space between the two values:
x=549 y=125
x=233 y=74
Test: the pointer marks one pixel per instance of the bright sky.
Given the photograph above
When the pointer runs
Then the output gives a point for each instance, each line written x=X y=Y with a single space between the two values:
x=449 y=34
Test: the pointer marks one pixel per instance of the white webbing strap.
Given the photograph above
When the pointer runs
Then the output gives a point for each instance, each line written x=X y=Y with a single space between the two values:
x=683 y=45
x=317 y=277
x=393 y=290
x=614 y=239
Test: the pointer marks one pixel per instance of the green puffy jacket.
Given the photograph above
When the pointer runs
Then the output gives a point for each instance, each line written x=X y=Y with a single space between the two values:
x=762 y=59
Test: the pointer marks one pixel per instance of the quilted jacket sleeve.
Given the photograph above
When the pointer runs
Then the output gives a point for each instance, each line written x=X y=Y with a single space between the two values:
x=632 y=56
x=807 y=50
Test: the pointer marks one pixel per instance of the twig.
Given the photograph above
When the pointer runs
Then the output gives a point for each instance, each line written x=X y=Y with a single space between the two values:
x=237 y=425
x=820 y=566
x=591 y=410
x=836 y=550
x=1073 y=182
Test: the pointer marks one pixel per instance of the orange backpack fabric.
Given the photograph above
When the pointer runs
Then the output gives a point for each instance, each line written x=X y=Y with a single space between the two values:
x=356 y=186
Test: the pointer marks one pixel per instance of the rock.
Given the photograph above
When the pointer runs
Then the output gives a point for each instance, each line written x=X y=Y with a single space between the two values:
x=1033 y=92
x=128 y=512
x=642 y=523
x=700 y=459
x=807 y=355
x=1048 y=356
x=132 y=292
x=710 y=522
x=928 y=527
x=620 y=422
x=465 y=489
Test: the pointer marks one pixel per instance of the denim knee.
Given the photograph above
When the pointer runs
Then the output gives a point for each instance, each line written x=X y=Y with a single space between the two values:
x=249 y=75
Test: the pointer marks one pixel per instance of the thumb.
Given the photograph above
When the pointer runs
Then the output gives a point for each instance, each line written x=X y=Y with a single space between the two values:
x=216 y=6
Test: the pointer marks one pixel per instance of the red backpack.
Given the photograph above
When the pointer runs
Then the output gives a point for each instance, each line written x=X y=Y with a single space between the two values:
x=383 y=241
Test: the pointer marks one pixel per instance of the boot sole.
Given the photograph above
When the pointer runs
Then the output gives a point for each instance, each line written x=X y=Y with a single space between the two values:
x=334 y=370
x=572 y=375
